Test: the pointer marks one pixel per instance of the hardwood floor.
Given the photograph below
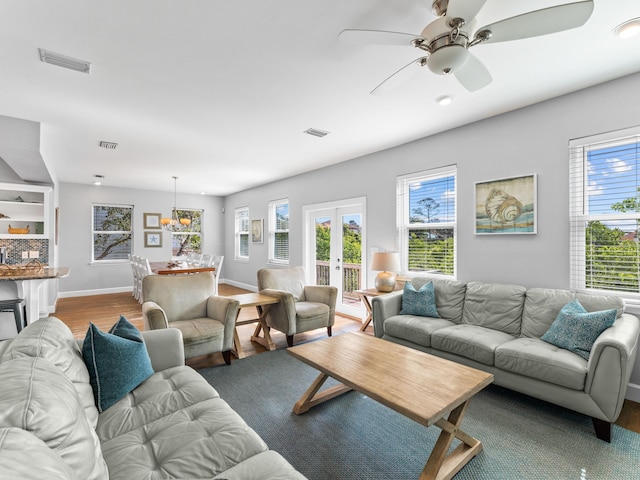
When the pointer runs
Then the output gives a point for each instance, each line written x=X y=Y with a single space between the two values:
x=104 y=311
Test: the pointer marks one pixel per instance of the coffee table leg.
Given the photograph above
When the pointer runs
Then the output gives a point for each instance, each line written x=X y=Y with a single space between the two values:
x=441 y=466
x=312 y=397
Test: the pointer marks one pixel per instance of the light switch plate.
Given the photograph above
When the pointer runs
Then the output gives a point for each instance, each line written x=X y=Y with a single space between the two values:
x=25 y=254
x=34 y=254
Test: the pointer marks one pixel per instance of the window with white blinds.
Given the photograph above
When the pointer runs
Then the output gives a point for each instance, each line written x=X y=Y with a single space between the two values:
x=242 y=233
x=112 y=233
x=605 y=213
x=279 y=231
x=426 y=218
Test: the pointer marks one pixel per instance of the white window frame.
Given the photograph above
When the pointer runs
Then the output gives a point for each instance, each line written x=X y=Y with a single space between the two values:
x=579 y=214
x=241 y=221
x=273 y=231
x=403 y=213
x=95 y=232
x=190 y=232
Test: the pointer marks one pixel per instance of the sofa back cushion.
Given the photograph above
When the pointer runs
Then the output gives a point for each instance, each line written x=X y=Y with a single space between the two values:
x=49 y=338
x=597 y=303
x=182 y=297
x=494 y=306
x=292 y=280
x=38 y=397
x=541 y=307
x=21 y=451
x=449 y=296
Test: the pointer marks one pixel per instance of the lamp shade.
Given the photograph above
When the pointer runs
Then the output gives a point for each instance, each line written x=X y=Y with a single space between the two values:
x=386 y=262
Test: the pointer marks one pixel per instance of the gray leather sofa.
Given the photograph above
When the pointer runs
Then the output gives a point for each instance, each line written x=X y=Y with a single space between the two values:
x=497 y=328
x=173 y=425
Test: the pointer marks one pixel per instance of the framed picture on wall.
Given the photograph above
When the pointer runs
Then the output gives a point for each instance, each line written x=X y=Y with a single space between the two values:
x=507 y=206
x=256 y=231
x=153 y=239
x=152 y=220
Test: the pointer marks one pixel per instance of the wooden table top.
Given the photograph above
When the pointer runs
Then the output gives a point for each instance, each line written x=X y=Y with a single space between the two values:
x=254 y=299
x=420 y=386
x=165 y=268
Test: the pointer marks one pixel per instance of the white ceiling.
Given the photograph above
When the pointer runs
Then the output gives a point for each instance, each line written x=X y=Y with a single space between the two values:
x=219 y=92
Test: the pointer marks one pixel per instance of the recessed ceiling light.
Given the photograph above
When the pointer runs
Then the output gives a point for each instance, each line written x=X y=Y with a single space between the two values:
x=63 y=61
x=627 y=29
x=98 y=179
x=444 y=99
x=316 y=132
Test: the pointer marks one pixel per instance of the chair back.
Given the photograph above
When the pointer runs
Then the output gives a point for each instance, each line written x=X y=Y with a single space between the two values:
x=182 y=297
x=292 y=280
x=207 y=260
x=217 y=264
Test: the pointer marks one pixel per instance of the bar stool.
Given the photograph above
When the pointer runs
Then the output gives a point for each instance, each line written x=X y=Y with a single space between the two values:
x=18 y=307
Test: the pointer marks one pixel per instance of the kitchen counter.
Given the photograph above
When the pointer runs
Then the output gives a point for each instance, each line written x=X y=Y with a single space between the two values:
x=44 y=274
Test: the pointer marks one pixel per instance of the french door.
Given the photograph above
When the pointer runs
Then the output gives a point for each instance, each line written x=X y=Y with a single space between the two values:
x=335 y=250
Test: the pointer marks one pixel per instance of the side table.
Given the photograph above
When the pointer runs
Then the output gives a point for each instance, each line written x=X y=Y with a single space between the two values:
x=262 y=304
x=364 y=296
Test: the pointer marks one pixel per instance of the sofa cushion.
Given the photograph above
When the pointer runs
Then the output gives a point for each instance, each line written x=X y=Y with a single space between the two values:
x=470 y=341
x=200 y=330
x=20 y=451
x=311 y=310
x=49 y=338
x=494 y=306
x=541 y=307
x=267 y=465
x=576 y=330
x=175 y=424
x=420 y=302
x=36 y=396
x=449 y=296
x=535 y=358
x=413 y=328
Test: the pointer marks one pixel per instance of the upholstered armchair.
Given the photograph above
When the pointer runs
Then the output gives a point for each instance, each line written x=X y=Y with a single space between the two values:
x=186 y=302
x=302 y=307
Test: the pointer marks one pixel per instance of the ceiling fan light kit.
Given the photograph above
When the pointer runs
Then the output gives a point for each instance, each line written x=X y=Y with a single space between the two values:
x=446 y=40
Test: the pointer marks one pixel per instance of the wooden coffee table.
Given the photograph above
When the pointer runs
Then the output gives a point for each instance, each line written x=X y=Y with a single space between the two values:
x=420 y=386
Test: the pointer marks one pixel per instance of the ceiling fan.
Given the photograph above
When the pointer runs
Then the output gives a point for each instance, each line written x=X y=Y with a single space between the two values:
x=446 y=41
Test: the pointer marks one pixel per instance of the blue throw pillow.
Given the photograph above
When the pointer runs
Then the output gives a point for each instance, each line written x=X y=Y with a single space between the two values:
x=421 y=302
x=117 y=361
x=576 y=330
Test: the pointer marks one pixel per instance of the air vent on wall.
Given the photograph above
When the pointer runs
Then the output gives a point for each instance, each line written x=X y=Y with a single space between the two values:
x=108 y=145
x=64 y=61
x=316 y=133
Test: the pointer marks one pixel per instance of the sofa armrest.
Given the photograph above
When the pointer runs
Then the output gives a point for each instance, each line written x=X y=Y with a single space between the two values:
x=610 y=364
x=383 y=307
x=165 y=348
x=224 y=310
x=322 y=294
x=154 y=316
x=281 y=316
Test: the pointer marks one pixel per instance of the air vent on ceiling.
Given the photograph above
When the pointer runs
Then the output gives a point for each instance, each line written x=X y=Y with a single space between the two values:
x=316 y=133
x=64 y=61
x=108 y=145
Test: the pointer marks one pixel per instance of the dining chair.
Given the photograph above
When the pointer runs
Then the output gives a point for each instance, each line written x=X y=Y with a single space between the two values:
x=207 y=322
x=196 y=259
x=302 y=307
x=207 y=260
x=143 y=269
x=217 y=264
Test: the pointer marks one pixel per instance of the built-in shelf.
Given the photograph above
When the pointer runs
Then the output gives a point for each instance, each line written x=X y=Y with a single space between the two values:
x=24 y=206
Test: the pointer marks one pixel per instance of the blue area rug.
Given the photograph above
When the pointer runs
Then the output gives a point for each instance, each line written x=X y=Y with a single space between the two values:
x=354 y=437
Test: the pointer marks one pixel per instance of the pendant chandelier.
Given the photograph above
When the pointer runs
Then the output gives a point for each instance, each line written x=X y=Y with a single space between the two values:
x=174 y=223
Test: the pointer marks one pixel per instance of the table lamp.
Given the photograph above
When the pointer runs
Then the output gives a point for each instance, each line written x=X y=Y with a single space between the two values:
x=386 y=263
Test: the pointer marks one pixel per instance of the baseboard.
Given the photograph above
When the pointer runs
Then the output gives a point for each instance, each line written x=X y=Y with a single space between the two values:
x=99 y=291
x=251 y=288
x=633 y=392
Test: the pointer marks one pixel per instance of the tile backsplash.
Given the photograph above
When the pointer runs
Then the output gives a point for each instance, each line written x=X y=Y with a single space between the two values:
x=19 y=245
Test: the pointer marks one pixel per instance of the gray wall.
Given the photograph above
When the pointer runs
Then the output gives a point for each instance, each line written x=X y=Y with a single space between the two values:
x=74 y=249
x=530 y=140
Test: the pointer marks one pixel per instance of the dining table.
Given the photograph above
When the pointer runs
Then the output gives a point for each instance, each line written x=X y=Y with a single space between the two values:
x=177 y=268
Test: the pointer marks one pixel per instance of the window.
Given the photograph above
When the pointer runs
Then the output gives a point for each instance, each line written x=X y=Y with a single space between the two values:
x=279 y=231
x=605 y=213
x=111 y=232
x=426 y=217
x=184 y=243
x=242 y=233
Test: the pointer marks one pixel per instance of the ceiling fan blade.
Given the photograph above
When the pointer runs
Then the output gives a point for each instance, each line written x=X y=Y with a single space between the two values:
x=394 y=80
x=465 y=9
x=539 y=22
x=473 y=75
x=376 y=37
